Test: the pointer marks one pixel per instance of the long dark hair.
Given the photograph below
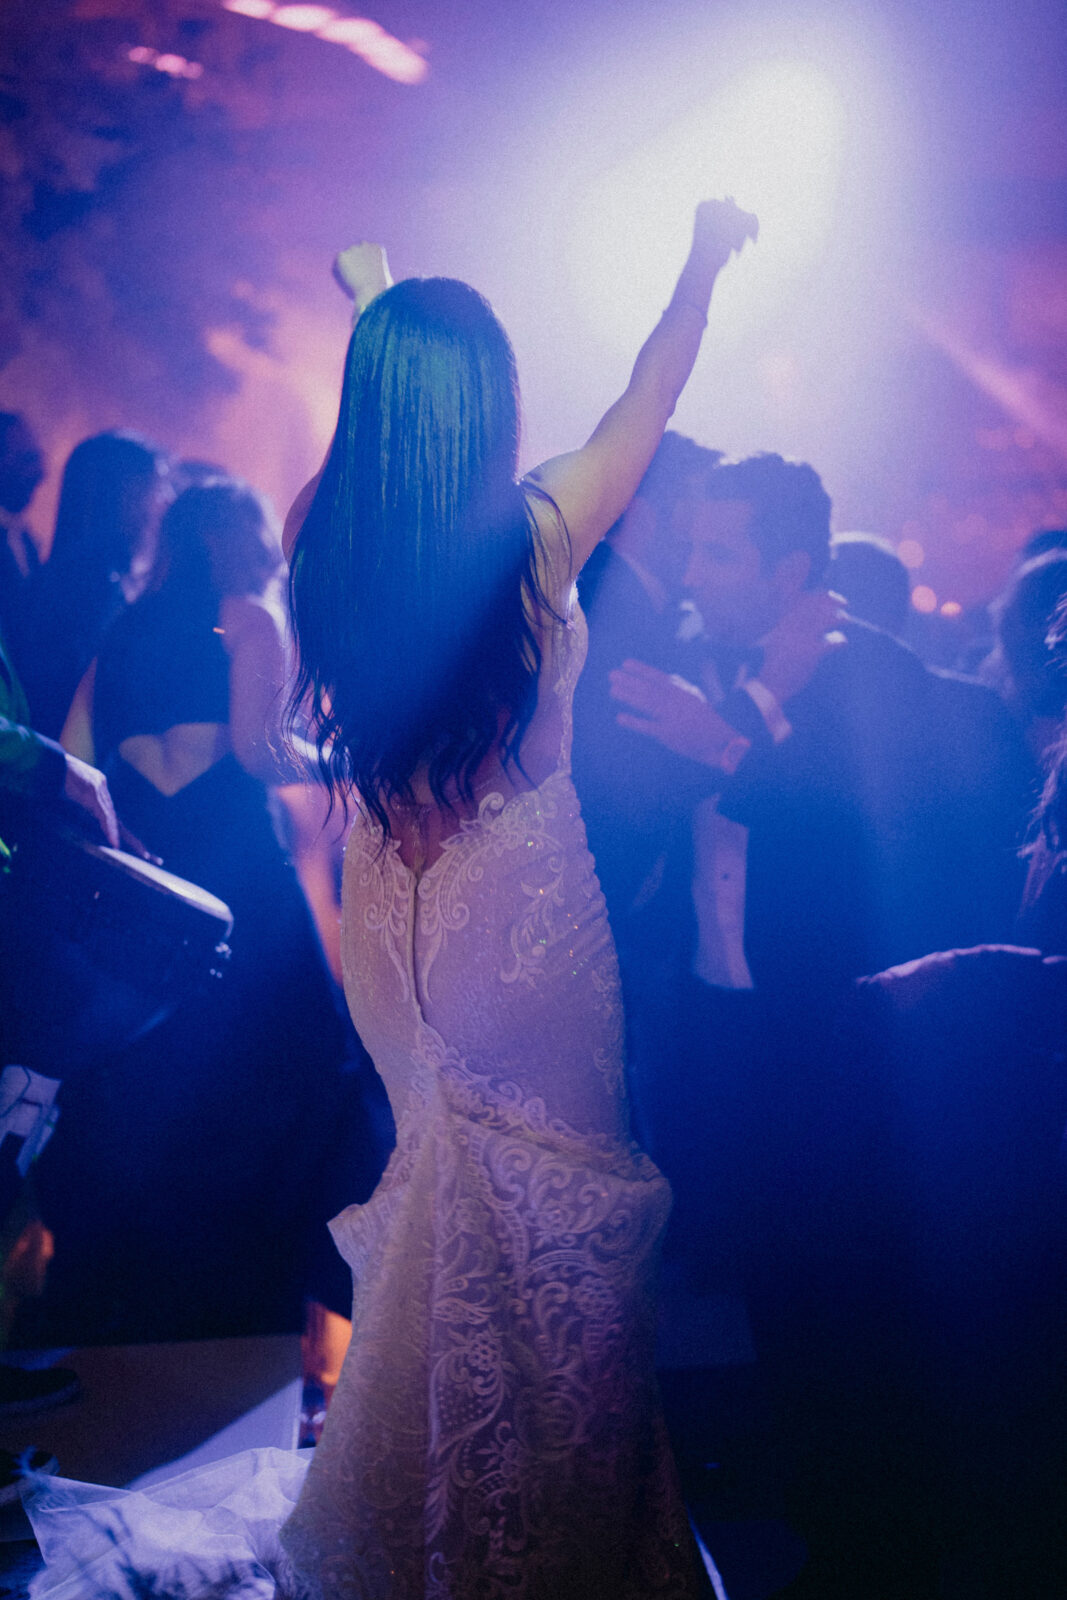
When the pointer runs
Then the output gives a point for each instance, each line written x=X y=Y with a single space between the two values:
x=100 y=520
x=414 y=582
x=113 y=485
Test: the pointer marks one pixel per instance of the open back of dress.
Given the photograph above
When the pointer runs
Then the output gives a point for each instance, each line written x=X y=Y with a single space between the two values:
x=496 y=1431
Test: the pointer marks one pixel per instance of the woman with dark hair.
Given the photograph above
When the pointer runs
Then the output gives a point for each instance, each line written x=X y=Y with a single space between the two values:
x=235 y=1094
x=183 y=703
x=495 y=1430
x=114 y=487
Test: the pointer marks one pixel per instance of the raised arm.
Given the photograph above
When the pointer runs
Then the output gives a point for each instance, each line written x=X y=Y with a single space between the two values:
x=594 y=485
x=362 y=272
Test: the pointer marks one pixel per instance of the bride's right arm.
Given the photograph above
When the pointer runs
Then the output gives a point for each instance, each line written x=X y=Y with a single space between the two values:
x=593 y=486
x=363 y=273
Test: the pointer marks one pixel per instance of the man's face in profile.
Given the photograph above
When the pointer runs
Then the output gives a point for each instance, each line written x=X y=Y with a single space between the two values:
x=725 y=575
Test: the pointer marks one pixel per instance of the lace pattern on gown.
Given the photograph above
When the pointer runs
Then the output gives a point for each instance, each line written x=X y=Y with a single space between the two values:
x=495 y=1432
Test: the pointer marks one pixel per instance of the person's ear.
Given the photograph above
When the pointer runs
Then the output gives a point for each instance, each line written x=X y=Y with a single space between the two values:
x=791 y=574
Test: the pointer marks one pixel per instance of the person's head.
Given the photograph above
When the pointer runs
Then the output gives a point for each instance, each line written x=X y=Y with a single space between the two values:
x=653 y=530
x=873 y=581
x=113 y=490
x=219 y=538
x=759 y=534
x=21 y=463
x=1042 y=543
x=1022 y=616
x=407 y=576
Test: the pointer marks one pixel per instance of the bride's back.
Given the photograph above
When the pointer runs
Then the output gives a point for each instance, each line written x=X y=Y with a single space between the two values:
x=417 y=580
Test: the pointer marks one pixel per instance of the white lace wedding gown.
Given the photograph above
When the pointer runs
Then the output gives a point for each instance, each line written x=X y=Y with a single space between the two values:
x=495 y=1434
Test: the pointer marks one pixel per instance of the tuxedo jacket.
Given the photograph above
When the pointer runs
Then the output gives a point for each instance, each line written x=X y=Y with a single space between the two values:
x=886 y=826
x=637 y=798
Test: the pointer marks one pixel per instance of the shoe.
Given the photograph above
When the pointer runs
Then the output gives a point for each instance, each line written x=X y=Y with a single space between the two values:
x=22 y=1391
x=14 y=1470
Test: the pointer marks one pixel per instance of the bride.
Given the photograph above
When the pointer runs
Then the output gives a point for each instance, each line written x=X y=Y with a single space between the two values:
x=495 y=1431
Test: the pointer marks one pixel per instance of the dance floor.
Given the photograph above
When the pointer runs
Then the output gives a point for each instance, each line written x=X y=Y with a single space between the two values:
x=152 y=1409
x=148 y=1410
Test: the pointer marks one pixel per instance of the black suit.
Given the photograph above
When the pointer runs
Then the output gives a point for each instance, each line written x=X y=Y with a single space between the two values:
x=637 y=797
x=637 y=801
x=885 y=826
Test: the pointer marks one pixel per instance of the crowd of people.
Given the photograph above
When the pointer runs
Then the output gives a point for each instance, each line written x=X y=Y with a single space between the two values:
x=790 y=811
x=154 y=640
x=835 y=882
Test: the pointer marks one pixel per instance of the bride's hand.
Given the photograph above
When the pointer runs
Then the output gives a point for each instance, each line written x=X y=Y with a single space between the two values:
x=362 y=272
x=720 y=229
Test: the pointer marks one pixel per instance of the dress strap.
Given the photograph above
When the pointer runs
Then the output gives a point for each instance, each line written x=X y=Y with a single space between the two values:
x=569 y=641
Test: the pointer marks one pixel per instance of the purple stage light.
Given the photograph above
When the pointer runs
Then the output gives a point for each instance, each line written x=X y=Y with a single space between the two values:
x=362 y=36
x=173 y=65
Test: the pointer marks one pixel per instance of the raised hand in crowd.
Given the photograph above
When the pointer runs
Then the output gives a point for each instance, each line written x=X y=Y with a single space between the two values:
x=362 y=271
x=720 y=229
x=796 y=645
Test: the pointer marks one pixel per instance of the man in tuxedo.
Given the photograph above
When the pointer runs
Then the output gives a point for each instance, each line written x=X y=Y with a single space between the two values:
x=882 y=818
x=637 y=797
x=875 y=817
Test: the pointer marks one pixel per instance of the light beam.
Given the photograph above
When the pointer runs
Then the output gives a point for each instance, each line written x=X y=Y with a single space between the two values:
x=773 y=139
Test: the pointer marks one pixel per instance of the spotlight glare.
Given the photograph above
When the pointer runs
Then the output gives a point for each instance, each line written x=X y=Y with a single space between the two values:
x=773 y=139
x=355 y=33
x=250 y=8
x=397 y=61
x=303 y=19
x=174 y=66
x=360 y=35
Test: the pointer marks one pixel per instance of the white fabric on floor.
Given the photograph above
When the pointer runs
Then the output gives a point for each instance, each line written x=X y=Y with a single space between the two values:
x=203 y=1533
